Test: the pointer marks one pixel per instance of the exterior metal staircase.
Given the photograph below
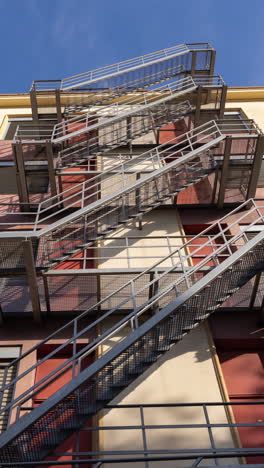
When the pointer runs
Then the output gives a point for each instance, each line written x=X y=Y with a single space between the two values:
x=158 y=307
x=130 y=105
x=107 y=137
x=109 y=122
x=191 y=56
x=101 y=96
x=126 y=195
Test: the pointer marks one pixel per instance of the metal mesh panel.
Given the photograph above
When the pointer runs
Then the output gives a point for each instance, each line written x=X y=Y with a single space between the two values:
x=260 y=293
x=71 y=292
x=12 y=254
x=241 y=298
x=110 y=283
x=203 y=59
x=15 y=294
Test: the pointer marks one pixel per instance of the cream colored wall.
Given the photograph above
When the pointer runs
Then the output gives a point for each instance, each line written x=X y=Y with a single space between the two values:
x=159 y=222
x=184 y=374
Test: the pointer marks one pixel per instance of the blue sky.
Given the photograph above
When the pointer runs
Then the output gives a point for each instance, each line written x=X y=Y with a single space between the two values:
x=50 y=39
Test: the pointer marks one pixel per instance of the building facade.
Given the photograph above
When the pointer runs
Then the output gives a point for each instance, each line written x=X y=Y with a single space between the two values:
x=131 y=259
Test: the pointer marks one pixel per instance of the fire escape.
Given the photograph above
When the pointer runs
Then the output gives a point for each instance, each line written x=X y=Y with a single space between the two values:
x=98 y=114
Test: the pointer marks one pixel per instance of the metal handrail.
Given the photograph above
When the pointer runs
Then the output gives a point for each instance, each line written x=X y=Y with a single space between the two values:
x=158 y=94
x=184 y=259
x=154 y=160
x=109 y=136
x=133 y=85
x=83 y=79
x=127 y=106
x=204 y=422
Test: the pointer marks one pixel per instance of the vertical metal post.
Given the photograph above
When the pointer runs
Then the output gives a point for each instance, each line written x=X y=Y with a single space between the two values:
x=224 y=172
x=51 y=170
x=34 y=105
x=1 y=319
x=198 y=106
x=58 y=105
x=222 y=102
x=215 y=185
x=254 y=291
x=193 y=65
x=212 y=62
x=32 y=280
x=261 y=314
x=211 y=72
x=256 y=167
x=144 y=438
x=46 y=291
x=138 y=202
x=23 y=195
x=210 y=432
x=153 y=289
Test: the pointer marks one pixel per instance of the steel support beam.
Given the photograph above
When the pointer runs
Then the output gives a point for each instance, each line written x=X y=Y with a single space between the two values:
x=261 y=314
x=34 y=105
x=1 y=316
x=224 y=172
x=51 y=169
x=222 y=102
x=211 y=72
x=58 y=105
x=32 y=280
x=256 y=167
x=198 y=106
x=254 y=291
x=212 y=62
x=46 y=291
x=23 y=190
x=193 y=65
x=216 y=176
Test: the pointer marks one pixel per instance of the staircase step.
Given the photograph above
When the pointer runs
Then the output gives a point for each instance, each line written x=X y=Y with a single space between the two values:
x=150 y=360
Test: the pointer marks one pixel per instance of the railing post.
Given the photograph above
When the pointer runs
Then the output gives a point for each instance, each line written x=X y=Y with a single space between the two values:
x=46 y=291
x=212 y=62
x=193 y=65
x=1 y=317
x=256 y=167
x=32 y=280
x=21 y=174
x=51 y=170
x=198 y=106
x=58 y=105
x=34 y=105
x=224 y=172
x=222 y=102
x=261 y=314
